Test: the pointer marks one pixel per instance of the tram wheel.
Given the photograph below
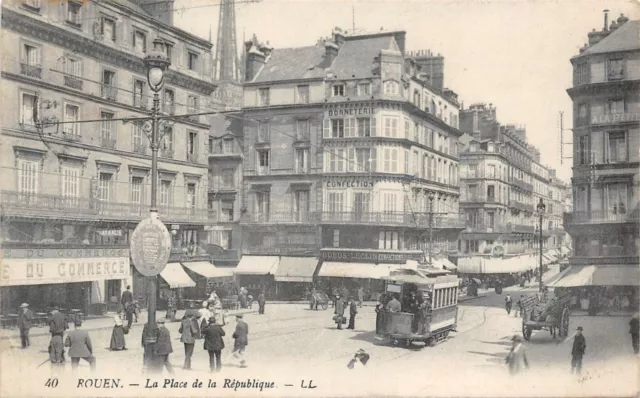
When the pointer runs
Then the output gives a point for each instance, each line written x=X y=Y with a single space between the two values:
x=431 y=342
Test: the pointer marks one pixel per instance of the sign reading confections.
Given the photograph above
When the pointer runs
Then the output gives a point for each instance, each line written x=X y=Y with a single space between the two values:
x=369 y=256
x=349 y=184
x=38 y=271
x=150 y=246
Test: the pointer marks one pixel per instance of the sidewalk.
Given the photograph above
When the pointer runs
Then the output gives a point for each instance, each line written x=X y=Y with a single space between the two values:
x=106 y=322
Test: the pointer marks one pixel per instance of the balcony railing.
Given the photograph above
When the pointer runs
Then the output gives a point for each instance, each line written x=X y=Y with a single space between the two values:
x=479 y=199
x=222 y=150
x=411 y=220
x=70 y=136
x=166 y=153
x=31 y=70
x=521 y=206
x=282 y=217
x=520 y=228
x=73 y=82
x=599 y=217
x=108 y=142
x=486 y=227
x=28 y=204
x=140 y=148
x=109 y=92
x=522 y=185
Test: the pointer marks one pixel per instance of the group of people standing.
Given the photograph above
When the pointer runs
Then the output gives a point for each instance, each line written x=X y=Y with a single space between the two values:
x=339 y=310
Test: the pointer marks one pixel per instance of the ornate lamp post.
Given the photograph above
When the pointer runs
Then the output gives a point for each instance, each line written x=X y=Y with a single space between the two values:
x=541 y=208
x=431 y=195
x=156 y=64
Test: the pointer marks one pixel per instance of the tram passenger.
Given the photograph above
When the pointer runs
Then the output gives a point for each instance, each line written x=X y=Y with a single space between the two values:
x=394 y=305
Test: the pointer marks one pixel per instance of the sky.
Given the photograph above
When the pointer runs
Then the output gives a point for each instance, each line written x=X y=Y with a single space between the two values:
x=513 y=54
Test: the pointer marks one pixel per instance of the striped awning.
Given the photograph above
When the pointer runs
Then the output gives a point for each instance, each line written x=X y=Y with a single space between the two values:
x=175 y=276
x=257 y=265
x=296 y=269
x=600 y=275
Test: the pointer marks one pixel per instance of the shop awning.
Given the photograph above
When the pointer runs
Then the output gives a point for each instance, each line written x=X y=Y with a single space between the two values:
x=553 y=252
x=296 y=269
x=565 y=250
x=208 y=270
x=446 y=264
x=356 y=270
x=550 y=259
x=576 y=276
x=600 y=275
x=506 y=265
x=176 y=277
x=257 y=265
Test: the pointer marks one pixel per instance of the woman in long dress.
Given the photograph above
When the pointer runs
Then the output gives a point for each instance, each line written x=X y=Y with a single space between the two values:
x=117 y=335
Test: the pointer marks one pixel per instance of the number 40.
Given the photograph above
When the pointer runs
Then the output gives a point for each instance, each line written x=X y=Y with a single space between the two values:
x=53 y=383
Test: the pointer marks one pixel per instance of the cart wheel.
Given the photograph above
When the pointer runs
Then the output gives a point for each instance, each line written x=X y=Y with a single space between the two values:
x=564 y=323
x=526 y=333
x=325 y=306
x=445 y=335
x=431 y=342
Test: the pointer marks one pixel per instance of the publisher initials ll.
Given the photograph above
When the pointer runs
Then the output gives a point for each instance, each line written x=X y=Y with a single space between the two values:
x=309 y=385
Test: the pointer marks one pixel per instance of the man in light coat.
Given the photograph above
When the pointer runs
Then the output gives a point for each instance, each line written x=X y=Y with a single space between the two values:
x=80 y=347
x=24 y=324
x=517 y=358
x=339 y=311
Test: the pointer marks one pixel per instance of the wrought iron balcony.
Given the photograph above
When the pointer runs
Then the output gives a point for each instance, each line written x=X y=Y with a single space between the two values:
x=31 y=70
x=109 y=92
x=600 y=217
x=220 y=150
x=514 y=204
x=520 y=228
x=140 y=148
x=410 y=220
x=73 y=82
x=70 y=135
x=166 y=153
x=282 y=217
x=483 y=227
x=522 y=185
x=108 y=142
x=466 y=198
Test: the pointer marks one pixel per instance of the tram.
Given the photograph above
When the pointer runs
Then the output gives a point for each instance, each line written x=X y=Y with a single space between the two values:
x=429 y=307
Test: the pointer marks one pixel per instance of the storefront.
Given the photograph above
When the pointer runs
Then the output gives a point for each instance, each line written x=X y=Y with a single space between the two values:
x=172 y=285
x=206 y=276
x=78 y=279
x=255 y=273
x=294 y=276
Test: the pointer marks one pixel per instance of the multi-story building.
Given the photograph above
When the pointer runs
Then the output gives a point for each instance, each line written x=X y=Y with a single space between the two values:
x=606 y=139
x=74 y=188
x=502 y=180
x=348 y=150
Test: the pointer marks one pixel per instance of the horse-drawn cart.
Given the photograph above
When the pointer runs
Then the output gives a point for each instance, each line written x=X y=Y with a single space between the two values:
x=551 y=315
x=318 y=299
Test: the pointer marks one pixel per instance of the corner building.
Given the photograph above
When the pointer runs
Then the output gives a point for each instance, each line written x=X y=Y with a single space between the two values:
x=606 y=142
x=346 y=141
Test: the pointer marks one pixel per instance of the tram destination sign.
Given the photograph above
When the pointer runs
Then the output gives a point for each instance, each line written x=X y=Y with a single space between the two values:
x=150 y=246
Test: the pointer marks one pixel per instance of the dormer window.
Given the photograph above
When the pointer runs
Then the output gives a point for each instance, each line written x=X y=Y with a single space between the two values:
x=108 y=29
x=364 y=89
x=473 y=147
x=616 y=69
x=73 y=13
x=391 y=87
x=338 y=90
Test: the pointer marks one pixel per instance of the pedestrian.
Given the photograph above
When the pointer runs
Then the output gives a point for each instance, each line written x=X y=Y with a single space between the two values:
x=57 y=326
x=380 y=309
x=213 y=343
x=127 y=297
x=188 y=337
x=353 y=311
x=519 y=306
x=117 y=335
x=360 y=296
x=577 y=351
x=205 y=314
x=338 y=316
x=241 y=336
x=633 y=329
x=508 y=303
x=517 y=358
x=80 y=347
x=261 y=303
x=218 y=312
x=162 y=348
x=334 y=296
x=129 y=308
x=136 y=310
x=394 y=305
x=24 y=324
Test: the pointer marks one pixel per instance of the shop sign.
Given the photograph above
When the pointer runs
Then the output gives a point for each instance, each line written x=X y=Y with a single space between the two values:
x=349 y=184
x=150 y=246
x=615 y=118
x=369 y=256
x=63 y=253
x=22 y=272
x=281 y=250
x=359 y=111
x=110 y=232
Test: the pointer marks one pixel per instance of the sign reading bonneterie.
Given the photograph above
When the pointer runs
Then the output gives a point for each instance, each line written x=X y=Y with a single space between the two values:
x=38 y=271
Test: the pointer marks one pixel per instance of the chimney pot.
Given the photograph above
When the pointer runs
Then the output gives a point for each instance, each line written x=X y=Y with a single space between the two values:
x=606 y=19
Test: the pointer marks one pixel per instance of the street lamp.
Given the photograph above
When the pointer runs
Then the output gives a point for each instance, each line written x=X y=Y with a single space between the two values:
x=156 y=63
x=431 y=195
x=541 y=208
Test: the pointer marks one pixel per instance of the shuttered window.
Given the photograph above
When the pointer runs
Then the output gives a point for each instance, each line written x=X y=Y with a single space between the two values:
x=27 y=176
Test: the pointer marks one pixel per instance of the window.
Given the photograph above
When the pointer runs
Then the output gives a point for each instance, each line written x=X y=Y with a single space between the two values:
x=191 y=196
x=263 y=132
x=406 y=162
x=192 y=104
x=390 y=164
x=388 y=240
x=166 y=143
x=361 y=202
x=70 y=184
x=581 y=74
x=220 y=238
x=136 y=190
x=138 y=92
x=583 y=150
x=168 y=102
x=73 y=12
x=338 y=90
x=227 y=145
x=29 y=103
x=228 y=179
x=166 y=193
x=139 y=41
x=30 y=55
x=72 y=67
x=363 y=127
x=616 y=197
x=336 y=238
x=350 y=127
x=108 y=88
x=302 y=94
x=303 y=130
x=226 y=210
x=263 y=96
x=192 y=61
x=302 y=160
x=390 y=126
x=389 y=202
x=136 y=137
x=337 y=128
x=263 y=200
x=301 y=205
x=192 y=146
x=616 y=147
x=108 y=29
x=28 y=176
x=336 y=160
x=391 y=87
x=104 y=186
x=615 y=106
x=108 y=127
x=365 y=160
x=335 y=202
x=263 y=160
x=71 y=114
x=491 y=171
x=364 y=89
x=616 y=69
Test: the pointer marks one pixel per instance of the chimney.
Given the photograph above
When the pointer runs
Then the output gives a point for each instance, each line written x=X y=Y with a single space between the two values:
x=606 y=19
x=255 y=58
x=613 y=26
x=266 y=49
x=331 y=51
x=622 y=19
x=338 y=36
x=401 y=40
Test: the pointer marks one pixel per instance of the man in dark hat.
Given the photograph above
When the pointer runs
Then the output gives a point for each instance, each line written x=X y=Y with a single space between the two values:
x=188 y=337
x=241 y=336
x=213 y=343
x=577 y=352
x=162 y=348
x=57 y=326
x=24 y=324
x=80 y=347
x=261 y=303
